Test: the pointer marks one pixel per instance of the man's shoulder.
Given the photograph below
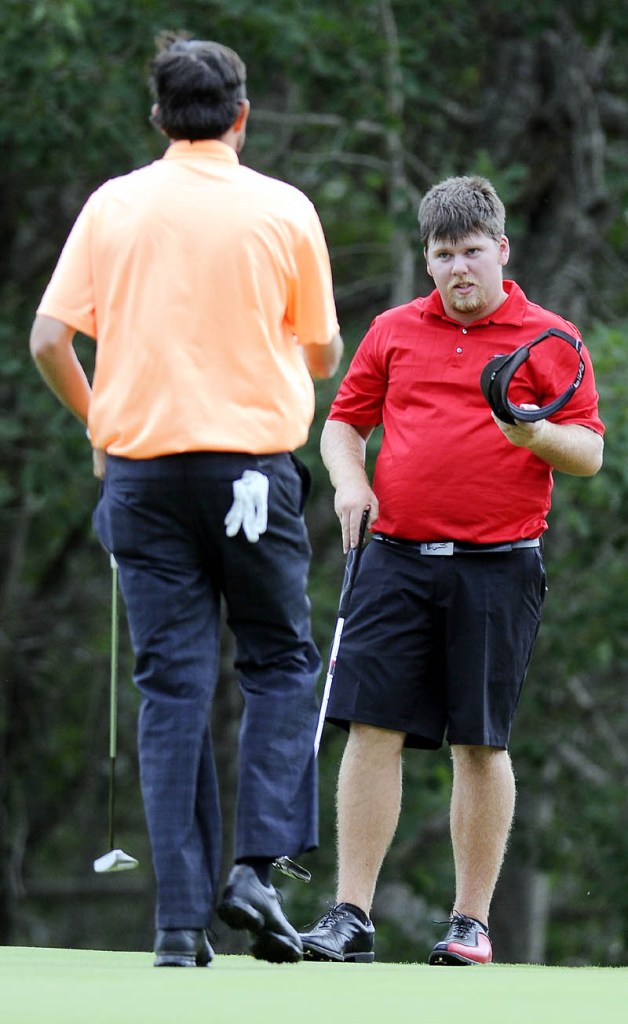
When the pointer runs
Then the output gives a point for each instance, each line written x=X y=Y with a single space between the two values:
x=135 y=178
x=273 y=187
x=275 y=201
x=540 y=318
x=532 y=315
x=406 y=312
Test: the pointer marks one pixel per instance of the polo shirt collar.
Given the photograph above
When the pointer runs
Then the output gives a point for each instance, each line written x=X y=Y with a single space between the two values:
x=214 y=148
x=511 y=310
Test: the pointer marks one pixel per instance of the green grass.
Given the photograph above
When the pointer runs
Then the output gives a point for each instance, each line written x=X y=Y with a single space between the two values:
x=66 y=986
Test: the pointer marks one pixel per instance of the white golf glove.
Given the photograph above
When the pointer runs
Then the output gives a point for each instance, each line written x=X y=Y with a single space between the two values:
x=250 y=506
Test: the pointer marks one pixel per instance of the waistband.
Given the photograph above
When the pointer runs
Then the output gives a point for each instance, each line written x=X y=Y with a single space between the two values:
x=456 y=547
x=219 y=463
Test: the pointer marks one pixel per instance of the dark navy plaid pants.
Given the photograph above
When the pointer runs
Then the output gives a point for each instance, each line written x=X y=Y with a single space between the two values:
x=163 y=519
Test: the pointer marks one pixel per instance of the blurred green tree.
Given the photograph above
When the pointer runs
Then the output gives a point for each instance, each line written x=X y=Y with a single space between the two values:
x=363 y=107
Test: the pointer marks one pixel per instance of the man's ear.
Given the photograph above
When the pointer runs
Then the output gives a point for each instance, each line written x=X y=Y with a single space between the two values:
x=240 y=121
x=504 y=250
x=155 y=116
x=427 y=266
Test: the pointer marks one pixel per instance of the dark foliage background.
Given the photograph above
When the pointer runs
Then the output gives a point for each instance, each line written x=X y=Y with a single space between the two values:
x=363 y=107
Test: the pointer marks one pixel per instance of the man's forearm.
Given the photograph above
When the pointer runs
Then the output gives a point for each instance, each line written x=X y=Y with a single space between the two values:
x=343 y=450
x=52 y=350
x=569 y=448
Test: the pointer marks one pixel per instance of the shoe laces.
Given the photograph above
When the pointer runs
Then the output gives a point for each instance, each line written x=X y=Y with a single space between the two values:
x=328 y=920
x=461 y=925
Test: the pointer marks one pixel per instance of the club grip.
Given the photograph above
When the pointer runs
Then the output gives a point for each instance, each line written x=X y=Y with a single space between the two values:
x=351 y=567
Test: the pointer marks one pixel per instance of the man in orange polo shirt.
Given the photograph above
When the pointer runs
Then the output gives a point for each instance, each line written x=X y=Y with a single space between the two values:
x=208 y=290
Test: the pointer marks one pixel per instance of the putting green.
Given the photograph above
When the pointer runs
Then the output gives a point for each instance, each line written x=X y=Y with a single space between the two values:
x=68 y=986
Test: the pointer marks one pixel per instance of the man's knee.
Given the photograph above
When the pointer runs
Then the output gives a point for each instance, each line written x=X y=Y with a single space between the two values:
x=370 y=739
x=480 y=759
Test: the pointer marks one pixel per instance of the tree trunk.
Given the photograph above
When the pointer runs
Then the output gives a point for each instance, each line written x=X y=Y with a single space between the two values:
x=403 y=260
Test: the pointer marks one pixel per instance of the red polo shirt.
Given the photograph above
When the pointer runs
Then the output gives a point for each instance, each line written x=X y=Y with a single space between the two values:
x=445 y=471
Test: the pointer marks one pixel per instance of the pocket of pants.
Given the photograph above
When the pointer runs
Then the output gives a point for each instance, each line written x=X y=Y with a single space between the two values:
x=306 y=480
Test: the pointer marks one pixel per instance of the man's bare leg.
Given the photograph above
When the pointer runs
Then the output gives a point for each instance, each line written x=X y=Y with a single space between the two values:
x=482 y=808
x=368 y=805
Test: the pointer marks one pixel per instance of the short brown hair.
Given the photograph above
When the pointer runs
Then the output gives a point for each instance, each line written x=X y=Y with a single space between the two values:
x=458 y=207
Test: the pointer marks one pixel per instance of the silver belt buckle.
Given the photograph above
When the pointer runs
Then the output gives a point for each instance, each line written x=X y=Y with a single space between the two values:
x=438 y=547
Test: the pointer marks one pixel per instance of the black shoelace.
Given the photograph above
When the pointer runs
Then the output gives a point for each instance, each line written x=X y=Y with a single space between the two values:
x=328 y=920
x=462 y=926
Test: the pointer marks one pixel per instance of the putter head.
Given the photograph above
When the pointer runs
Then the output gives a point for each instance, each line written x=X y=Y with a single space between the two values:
x=115 y=860
x=292 y=869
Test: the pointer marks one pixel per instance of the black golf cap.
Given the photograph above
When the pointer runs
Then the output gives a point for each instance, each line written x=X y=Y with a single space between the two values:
x=499 y=371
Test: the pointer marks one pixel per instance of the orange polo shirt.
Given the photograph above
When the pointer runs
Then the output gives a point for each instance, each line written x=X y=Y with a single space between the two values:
x=199 y=278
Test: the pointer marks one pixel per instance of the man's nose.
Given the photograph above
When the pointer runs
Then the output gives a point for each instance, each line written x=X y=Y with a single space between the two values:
x=459 y=264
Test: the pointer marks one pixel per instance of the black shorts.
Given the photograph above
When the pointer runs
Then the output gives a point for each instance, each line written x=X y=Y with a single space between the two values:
x=438 y=647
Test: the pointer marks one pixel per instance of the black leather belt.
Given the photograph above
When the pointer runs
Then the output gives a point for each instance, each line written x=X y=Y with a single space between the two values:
x=458 y=547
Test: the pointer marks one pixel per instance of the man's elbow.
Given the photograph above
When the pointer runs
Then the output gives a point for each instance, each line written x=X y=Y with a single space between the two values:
x=46 y=336
x=597 y=461
x=594 y=460
x=39 y=342
x=323 y=360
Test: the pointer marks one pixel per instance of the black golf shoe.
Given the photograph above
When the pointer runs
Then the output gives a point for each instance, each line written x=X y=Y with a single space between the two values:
x=340 y=936
x=248 y=904
x=466 y=942
x=182 y=947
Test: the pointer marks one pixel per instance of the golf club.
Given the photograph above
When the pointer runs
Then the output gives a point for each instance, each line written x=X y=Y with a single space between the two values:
x=285 y=864
x=351 y=569
x=114 y=860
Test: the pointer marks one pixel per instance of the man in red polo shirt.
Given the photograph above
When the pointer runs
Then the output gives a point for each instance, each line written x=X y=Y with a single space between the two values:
x=447 y=601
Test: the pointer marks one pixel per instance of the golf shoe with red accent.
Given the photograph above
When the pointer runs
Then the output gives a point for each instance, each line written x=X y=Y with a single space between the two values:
x=466 y=942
